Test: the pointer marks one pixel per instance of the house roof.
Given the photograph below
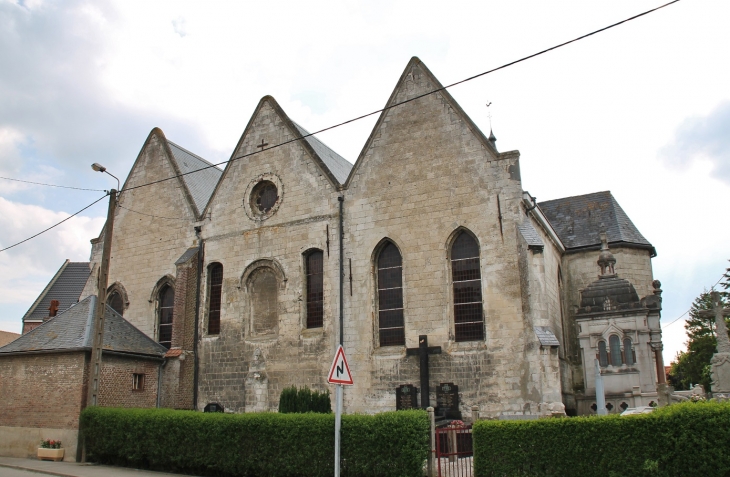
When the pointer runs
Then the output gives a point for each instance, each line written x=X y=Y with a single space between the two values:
x=73 y=330
x=578 y=221
x=200 y=184
x=65 y=286
x=338 y=165
x=6 y=337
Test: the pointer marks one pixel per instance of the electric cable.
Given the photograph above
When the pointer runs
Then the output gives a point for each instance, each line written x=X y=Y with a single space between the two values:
x=680 y=316
x=56 y=225
x=51 y=185
x=443 y=88
x=154 y=216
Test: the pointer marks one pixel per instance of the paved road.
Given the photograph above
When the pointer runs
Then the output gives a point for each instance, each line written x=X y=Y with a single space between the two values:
x=16 y=467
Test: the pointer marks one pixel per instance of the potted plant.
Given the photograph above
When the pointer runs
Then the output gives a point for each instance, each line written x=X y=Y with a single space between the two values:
x=50 y=450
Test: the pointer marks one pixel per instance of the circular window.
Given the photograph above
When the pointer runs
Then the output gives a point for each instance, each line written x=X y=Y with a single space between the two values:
x=264 y=197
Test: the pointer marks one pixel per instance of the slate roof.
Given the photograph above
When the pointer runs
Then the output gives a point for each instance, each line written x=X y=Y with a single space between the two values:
x=73 y=330
x=338 y=165
x=200 y=184
x=608 y=293
x=66 y=287
x=577 y=221
x=531 y=236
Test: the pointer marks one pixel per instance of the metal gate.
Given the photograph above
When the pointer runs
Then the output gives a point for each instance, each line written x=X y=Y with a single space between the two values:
x=454 y=452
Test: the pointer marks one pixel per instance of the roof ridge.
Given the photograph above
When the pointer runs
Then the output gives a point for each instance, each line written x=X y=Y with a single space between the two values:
x=577 y=195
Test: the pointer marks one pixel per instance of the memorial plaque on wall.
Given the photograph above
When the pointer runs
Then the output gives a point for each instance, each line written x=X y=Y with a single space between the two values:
x=213 y=407
x=405 y=397
x=447 y=401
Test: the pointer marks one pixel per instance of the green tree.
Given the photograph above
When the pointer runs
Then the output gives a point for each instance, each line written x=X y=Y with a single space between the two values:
x=693 y=366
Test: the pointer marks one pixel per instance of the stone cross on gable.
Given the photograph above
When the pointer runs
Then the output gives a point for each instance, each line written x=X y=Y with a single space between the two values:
x=422 y=352
x=723 y=343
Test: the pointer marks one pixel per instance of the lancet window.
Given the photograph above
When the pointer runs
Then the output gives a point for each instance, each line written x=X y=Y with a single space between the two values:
x=391 y=330
x=467 y=283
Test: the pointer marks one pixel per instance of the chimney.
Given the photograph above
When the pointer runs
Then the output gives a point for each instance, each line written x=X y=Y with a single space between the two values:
x=53 y=309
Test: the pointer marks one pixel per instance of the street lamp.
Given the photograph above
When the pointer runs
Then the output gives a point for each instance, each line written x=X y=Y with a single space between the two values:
x=99 y=168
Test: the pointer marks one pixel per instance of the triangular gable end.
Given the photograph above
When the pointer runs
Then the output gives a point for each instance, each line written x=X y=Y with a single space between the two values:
x=328 y=161
x=415 y=62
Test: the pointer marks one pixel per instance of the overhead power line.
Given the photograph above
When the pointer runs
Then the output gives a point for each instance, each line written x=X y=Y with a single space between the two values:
x=50 y=185
x=680 y=316
x=52 y=226
x=443 y=88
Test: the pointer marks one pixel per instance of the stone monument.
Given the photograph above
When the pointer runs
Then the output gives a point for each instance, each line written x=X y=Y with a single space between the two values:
x=720 y=360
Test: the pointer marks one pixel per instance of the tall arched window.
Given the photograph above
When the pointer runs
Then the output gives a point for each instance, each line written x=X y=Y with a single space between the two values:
x=390 y=297
x=214 y=302
x=628 y=352
x=466 y=275
x=615 y=344
x=315 y=289
x=166 y=304
x=116 y=302
x=602 y=354
x=264 y=301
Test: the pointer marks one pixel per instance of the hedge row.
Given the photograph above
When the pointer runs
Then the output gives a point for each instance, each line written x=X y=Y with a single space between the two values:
x=295 y=399
x=271 y=444
x=681 y=440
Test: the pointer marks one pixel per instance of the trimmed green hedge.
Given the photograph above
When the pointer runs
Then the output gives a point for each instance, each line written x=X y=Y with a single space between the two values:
x=304 y=399
x=261 y=444
x=681 y=440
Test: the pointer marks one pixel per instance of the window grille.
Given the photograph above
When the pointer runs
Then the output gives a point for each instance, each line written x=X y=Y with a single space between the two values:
x=628 y=352
x=602 y=354
x=391 y=328
x=615 y=345
x=466 y=275
x=214 y=305
x=137 y=382
x=315 y=289
x=167 y=302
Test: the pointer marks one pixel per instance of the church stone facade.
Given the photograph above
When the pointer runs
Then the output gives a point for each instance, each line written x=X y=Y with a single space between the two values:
x=244 y=273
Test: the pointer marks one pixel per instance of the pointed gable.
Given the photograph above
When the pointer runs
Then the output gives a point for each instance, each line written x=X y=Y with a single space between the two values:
x=200 y=176
x=406 y=92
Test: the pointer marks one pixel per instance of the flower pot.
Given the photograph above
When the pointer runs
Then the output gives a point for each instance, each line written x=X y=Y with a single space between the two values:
x=50 y=454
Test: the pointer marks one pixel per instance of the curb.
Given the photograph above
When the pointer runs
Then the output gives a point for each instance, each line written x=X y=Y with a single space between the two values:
x=39 y=471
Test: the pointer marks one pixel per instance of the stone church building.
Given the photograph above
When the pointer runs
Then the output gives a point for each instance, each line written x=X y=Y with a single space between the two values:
x=243 y=274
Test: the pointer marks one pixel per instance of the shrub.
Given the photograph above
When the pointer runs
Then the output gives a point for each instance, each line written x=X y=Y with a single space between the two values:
x=304 y=400
x=256 y=444
x=680 y=440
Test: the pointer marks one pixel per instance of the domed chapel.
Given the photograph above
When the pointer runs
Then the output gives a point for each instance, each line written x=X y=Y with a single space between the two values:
x=427 y=246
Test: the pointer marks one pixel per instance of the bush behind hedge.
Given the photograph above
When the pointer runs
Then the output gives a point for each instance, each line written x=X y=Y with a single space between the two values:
x=256 y=444
x=293 y=399
x=681 y=440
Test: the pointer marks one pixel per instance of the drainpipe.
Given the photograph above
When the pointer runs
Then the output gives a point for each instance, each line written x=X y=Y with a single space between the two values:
x=197 y=318
x=341 y=200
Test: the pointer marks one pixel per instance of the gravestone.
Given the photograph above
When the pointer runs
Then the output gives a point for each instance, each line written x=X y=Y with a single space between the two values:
x=405 y=397
x=447 y=401
x=213 y=407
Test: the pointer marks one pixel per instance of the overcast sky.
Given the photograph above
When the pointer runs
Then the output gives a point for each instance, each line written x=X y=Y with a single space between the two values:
x=642 y=110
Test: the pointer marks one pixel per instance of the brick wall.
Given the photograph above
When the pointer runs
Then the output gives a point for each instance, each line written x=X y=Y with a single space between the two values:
x=42 y=391
x=116 y=382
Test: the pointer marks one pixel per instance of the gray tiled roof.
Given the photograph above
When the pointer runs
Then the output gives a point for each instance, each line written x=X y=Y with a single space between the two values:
x=338 y=165
x=577 y=220
x=530 y=234
x=73 y=330
x=200 y=184
x=546 y=337
x=66 y=287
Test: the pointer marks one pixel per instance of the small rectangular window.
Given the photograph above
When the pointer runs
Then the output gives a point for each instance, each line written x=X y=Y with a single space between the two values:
x=137 y=382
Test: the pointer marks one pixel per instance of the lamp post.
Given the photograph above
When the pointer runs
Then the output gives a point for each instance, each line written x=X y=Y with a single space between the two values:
x=100 y=309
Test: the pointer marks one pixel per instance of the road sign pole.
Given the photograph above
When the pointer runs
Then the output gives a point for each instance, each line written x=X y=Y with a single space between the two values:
x=338 y=425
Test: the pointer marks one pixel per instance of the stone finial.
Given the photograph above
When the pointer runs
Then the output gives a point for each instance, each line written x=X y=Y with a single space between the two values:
x=657 y=287
x=606 y=259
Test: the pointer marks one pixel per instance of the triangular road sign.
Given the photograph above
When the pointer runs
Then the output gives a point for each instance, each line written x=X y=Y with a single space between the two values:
x=340 y=371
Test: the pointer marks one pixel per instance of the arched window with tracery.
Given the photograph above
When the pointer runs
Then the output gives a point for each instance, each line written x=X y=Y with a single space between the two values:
x=602 y=354
x=467 y=283
x=116 y=302
x=615 y=344
x=214 y=301
x=628 y=352
x=315 y=288
x=166 y=304
x=391 y=328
